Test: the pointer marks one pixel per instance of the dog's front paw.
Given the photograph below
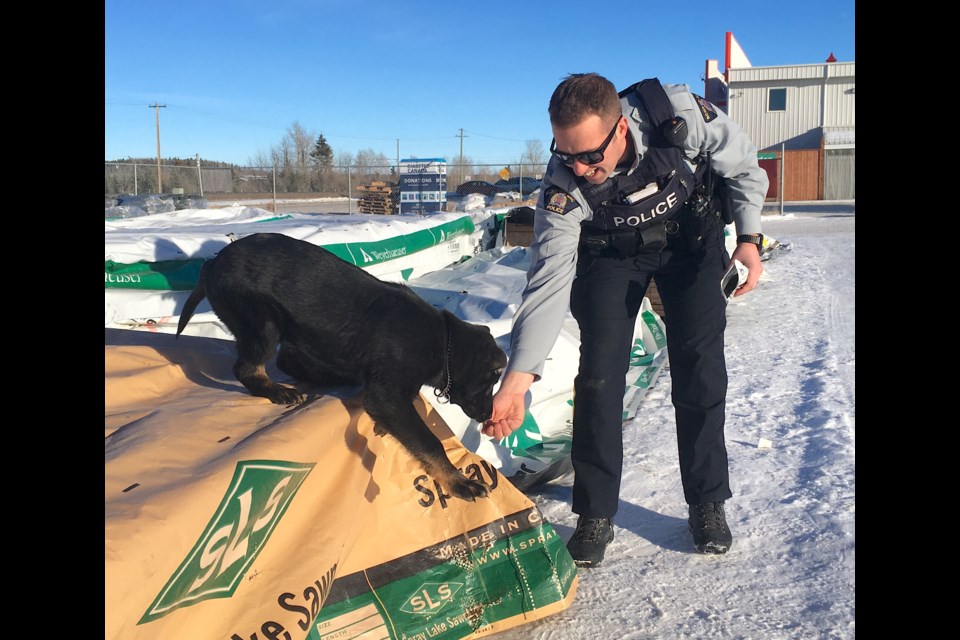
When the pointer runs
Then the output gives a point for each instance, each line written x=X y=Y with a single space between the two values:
x=280 y=394
x=470 y=490
x=378 y=430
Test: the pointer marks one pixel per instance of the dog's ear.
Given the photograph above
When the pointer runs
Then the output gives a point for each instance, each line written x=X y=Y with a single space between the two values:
x=488 y=343
x=474 y=343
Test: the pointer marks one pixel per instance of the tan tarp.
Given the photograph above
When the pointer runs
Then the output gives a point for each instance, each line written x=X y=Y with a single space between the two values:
x=227 y=516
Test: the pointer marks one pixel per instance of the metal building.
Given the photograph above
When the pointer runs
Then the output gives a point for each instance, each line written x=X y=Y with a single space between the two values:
x=806 y=111
x=795 y=105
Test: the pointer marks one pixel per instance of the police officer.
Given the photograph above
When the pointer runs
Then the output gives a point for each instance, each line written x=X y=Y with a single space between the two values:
x=637 y=186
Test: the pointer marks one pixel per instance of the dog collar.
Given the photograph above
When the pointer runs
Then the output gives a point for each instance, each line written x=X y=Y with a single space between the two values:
x=444 y=394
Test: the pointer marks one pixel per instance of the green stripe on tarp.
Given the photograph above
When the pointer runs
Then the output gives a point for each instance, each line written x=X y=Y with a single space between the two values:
x=659 y=338
x=363 y=254
x=172 y=275
x=181 y=275
x=646 y=376
x=639 y=355
x=509 y=567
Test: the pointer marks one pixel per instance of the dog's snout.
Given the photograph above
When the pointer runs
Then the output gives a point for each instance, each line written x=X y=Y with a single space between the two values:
x=479 y=411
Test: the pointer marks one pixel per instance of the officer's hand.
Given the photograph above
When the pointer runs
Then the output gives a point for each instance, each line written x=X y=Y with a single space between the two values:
x=509 y=405
x=749 y=255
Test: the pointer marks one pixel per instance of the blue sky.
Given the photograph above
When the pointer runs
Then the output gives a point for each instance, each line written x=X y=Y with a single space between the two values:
x=234 y=75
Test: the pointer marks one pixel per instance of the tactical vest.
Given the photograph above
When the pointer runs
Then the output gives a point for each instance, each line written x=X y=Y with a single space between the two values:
x=631 y=211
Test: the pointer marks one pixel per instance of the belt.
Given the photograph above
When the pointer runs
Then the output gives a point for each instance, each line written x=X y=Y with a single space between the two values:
x=627 y=243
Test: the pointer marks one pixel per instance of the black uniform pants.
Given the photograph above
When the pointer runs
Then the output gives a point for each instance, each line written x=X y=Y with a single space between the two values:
x=605 y=300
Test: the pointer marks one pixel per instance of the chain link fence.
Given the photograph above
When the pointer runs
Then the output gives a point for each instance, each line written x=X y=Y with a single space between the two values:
x=211 y=181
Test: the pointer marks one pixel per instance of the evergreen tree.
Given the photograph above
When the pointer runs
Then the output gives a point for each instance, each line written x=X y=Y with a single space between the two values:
x=322 y=154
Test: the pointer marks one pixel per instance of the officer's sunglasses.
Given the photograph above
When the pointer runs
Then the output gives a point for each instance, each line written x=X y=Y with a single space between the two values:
x=585 y=157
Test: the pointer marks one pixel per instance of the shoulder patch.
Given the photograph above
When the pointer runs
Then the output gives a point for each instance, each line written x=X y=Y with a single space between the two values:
x=559 y=201
x=707 y=110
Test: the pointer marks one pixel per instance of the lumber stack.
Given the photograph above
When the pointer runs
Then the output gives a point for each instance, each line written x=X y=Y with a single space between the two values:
x=377 y=197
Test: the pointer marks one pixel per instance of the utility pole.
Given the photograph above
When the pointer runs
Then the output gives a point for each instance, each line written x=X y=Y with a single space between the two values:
x=199 y=176
x=156 y=108
x=461 y=154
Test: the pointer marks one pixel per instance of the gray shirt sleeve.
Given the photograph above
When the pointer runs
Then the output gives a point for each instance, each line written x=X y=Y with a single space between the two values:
x=734 y=155
x=546 y=298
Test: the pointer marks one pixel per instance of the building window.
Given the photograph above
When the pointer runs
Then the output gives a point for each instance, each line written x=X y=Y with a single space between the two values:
x=777 y=100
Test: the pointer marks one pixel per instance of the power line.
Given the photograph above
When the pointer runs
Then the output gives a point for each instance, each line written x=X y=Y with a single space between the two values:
x=495 y=137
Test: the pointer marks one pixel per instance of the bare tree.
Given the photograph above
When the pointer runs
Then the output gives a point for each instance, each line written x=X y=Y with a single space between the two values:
x=344 y=159
x=464 y=168
x=280 y=155
x=535 y=157
x=300 y=143
x=260 y=159
x=341 y=165
x=370 y=162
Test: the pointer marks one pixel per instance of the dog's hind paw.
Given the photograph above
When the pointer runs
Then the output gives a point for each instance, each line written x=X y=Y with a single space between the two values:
x=469 y=490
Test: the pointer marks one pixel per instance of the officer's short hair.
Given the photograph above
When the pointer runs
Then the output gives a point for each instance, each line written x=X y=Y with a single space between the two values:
x=581 y=95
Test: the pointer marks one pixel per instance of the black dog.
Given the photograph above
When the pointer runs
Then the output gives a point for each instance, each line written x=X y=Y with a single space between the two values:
x=338 y=325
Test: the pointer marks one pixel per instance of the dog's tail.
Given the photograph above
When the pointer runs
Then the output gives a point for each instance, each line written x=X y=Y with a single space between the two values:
x=198 y=294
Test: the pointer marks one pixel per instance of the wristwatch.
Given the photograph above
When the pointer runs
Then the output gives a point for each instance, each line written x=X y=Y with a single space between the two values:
x=752 y=238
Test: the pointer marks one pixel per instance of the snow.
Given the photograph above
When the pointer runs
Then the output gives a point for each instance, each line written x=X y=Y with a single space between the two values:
x=790 y=348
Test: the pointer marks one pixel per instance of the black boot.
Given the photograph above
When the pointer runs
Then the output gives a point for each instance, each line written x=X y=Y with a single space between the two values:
x=590 y=540
x=708 y=524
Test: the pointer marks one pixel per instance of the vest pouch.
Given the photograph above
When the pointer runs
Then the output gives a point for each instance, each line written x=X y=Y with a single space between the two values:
x=629 y=243
x=654 y=210
x=624 y=244
x=616 y=244
x=654 y=238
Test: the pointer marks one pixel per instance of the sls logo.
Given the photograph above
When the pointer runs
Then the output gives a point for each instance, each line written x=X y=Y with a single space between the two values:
x=258 y=496
x=431 y=597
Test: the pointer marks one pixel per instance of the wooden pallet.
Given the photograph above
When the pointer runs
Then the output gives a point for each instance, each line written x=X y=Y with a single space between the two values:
x=376 y=187
x=380 y=208
x=378 y=198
